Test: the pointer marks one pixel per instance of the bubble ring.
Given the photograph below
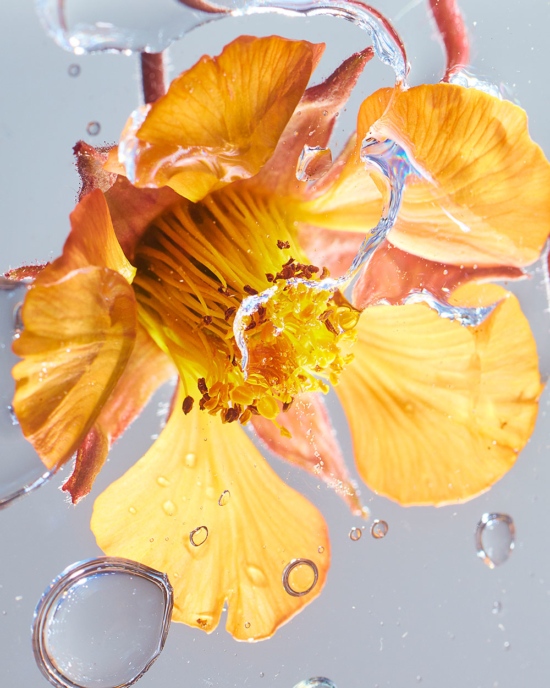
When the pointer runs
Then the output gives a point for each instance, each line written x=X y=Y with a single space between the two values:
x=288 y=570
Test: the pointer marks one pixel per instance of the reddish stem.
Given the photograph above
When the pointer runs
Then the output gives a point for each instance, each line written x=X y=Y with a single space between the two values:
x=450 y=24
x=152 y=76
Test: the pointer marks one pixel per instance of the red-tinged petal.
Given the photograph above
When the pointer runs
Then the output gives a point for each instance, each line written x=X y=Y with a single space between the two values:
x=25 y=272
x=393 y=274
x=78 y=335
x=312 y=446
x=221 y=120
x=311 y=124
x=328 y=248
x=90 y=163
x=146 y=370
x=486 y=180
x=204 y=506
x=90 y=458
x=133 y=209
x=92 y=241
x=438 y=412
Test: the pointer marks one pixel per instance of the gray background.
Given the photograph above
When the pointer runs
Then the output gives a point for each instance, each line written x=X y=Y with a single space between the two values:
x=414 y=608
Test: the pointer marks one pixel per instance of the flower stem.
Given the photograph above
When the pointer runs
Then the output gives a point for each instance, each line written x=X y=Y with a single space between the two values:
x=450 y=24
x=152 y=76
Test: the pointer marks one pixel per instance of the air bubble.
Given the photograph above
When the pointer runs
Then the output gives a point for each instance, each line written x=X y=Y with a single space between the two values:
x=162 y=481
x=73 y=70
x=355 y=534
x=379 y=529
x=316 y=682
x=247 y=624
x=320 y=549
x=300 y=577
x=313 y=163
x=224 y=498
x=495 y=539
x=17 y=320
x=198 y=536
x=101 y=623
x=169 y=507
x=93 y=128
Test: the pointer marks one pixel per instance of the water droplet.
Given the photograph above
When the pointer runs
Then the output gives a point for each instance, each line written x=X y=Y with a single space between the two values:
x=300 y=577
x=379 y=529
x=224 y=498
x=316 y=682
x=313 y=163
x=169 y=507
x=256 y=576
x=132 y=510
x=198 y=536
x=162 y=481
x=355 y=534
x=320 y=549
x=190 y=460
x=73 y=70
x=247 y=624
x=96 y=613
x=494 y=538
x=93 y=128
x=497 y=607
x=21 y=471
x=262 y=674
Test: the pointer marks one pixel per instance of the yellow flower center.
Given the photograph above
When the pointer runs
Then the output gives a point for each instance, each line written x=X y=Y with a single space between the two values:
x=197 y=263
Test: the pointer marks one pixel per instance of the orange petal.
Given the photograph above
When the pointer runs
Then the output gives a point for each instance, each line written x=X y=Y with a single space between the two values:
x=147 y=369
x=92 y=241
x=221 y=120
x=78 y=335
x=311 y=124
x=312 y=446
x=393 y=274
x=253 y=531
x=90 y=163
x=490 y=180
x=438 y=411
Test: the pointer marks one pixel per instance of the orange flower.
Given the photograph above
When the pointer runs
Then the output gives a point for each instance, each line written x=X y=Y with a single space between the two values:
x=199 y=210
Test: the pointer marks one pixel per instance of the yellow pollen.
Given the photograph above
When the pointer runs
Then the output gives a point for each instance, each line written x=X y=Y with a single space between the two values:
x=196 y=263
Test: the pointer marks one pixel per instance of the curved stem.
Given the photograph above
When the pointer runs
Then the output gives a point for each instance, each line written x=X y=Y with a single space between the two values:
x=450 y=24
x=152 y=76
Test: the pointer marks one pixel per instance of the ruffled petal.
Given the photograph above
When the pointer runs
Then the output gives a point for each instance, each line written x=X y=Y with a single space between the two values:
x=438 y=411
x=90 y=163
x=248 y=535
x=312 y=446
x=147 y=369
x=221 y=120
x=393 y=274
x=486 y=180
x=78 y=335
x=92 y=241
x=311 y=124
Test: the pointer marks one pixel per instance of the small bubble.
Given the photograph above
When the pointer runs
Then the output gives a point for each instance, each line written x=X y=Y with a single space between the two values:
x=320 y=549
x=313 y=163
x=300 y=577
x=162 y=481
x=93 y=128
x=73 y=70
x=247 y=624
x=506 y=645
x=151 y=539
x=17 y=320
x=19 y=598
x=224 y=498
x=316 y=682
x=198 y=536
x=355 y=534
x=495 y=539
x=13 y=417
x=379 y=529
x=497 y=607
x=169 y=507
x=132 y=510
x=256 y=575
x=190 y=460
x=262 y=674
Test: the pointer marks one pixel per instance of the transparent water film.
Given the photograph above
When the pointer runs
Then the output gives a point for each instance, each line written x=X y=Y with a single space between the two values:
x=316 y=682
x=20 y=469
x=142 y=26
x=495 y=539
x=300 y=577
x=101 y=623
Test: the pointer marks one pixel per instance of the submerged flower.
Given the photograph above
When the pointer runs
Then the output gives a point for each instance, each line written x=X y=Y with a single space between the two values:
x=196 y=251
